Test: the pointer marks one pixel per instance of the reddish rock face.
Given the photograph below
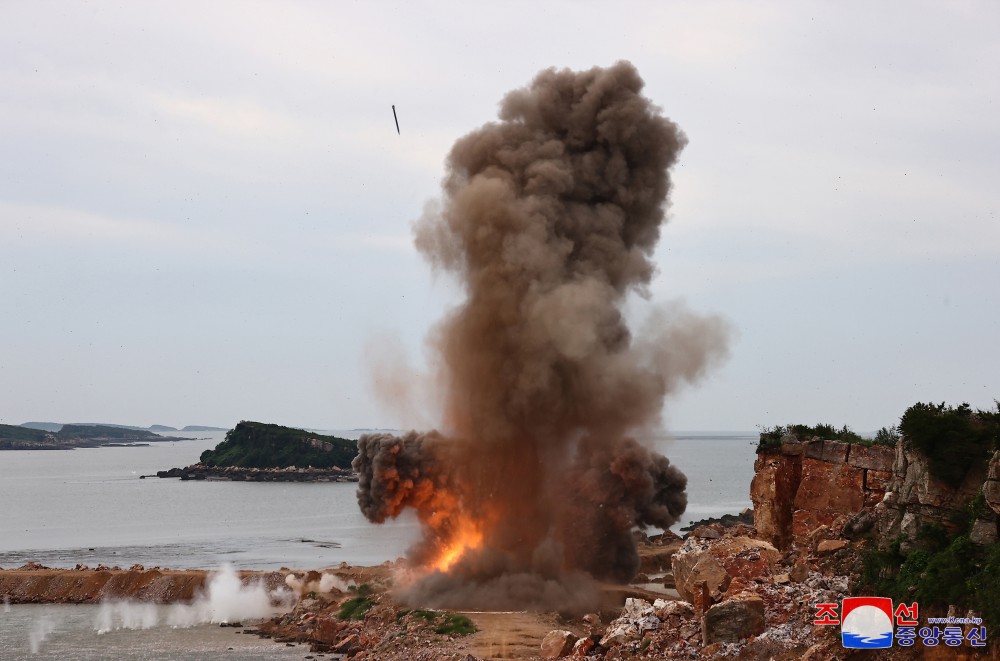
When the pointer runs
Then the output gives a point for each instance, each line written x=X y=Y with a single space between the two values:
x=874 y=458
x=775 y=481
x=807 y=484
x=830 y=488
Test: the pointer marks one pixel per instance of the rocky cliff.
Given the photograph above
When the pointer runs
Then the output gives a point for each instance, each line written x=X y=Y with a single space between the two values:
x=916 y=499
x=803 y=488
x=803 y=485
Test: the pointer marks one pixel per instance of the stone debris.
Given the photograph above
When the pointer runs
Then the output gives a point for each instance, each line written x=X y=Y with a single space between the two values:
x=558 y=643
x=830 y=545
x=637 y=618
x=734 y=619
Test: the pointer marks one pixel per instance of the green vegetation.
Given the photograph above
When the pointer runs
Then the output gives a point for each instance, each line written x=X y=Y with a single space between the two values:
x=355 y=608
x=943 y=572
x=260 y=445
x=71 y=432
x=454 y=624
x=68 y=437
x=954 y=438
x=446 y=624
x=887 y=436
x=770 y=437
x=23 y=434
x=427 y=616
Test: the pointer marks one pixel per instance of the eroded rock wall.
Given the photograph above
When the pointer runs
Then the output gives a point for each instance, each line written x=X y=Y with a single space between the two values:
x=915 y=499
x=803 y=485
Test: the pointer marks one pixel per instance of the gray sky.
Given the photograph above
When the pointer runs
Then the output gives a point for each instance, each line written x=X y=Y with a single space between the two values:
x=205 y=209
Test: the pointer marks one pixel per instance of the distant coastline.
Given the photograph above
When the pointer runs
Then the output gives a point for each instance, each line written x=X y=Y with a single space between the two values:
x=71 y=437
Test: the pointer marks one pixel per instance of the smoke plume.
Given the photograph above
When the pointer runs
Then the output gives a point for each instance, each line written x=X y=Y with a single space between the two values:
x=549 y=219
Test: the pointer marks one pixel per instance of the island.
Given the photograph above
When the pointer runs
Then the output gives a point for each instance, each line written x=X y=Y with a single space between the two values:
x=69 y=437
x=262 y=452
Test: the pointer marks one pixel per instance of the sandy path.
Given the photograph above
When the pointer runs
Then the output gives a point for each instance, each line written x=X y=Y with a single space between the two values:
x=512 y=635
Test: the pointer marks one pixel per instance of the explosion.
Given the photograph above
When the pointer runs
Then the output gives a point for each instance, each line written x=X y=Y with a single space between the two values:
x=549 y=219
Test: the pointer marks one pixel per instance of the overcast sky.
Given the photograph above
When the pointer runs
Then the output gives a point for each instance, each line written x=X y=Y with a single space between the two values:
x=205 y=209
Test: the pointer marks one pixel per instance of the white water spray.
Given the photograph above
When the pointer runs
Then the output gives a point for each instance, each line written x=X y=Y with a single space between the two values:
x=226 y=599
x=41 y=630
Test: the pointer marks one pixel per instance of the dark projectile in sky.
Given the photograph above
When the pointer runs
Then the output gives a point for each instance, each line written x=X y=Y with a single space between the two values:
x=396 y=118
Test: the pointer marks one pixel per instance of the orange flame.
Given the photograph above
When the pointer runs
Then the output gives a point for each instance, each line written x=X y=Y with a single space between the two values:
x=467 y=536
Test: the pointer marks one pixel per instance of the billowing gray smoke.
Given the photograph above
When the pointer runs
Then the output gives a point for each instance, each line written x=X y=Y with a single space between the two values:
x=549 y=219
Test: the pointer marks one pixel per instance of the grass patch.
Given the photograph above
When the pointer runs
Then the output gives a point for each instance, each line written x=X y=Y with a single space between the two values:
x=355 y=608
x=445 y=624
x=454 y=624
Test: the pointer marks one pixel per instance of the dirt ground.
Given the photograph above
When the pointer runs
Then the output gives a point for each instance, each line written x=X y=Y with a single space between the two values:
x=512 y=635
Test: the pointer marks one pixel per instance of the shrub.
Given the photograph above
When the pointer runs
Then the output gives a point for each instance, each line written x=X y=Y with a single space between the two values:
x=954 y=439
x=886 y=436
x=446 y=623
x=454 y=624
x=355 y=608
x=956 y=574
x=770 y=437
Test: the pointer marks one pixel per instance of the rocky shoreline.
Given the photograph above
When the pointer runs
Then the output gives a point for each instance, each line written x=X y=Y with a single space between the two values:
x=240 y=474
x=734 y=587
x=33 y=583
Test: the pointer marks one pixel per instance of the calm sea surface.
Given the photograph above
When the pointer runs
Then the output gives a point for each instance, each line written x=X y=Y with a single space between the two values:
x=89 y=505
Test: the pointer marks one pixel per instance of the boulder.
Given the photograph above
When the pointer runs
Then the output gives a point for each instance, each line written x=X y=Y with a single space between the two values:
x=637 y=617
x=557 y=643
x=715 y=563
x=348 y=644
x=665 y=609
x=733 y=620
x=582 y=647
x=829 y=451
x=830 y=545
x=799 y=572
x=705 y=532
x=693 y=569
x=859 y=524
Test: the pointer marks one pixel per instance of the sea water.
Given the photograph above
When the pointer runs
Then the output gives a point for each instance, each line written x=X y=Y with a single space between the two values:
x=70 y=633
x=90 y=506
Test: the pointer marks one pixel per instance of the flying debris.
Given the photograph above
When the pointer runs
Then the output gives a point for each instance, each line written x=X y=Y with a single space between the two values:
x=396 y=118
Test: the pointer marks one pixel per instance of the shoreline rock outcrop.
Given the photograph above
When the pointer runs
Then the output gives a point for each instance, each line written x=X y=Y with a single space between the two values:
x=35 y=584
x=241 y=474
